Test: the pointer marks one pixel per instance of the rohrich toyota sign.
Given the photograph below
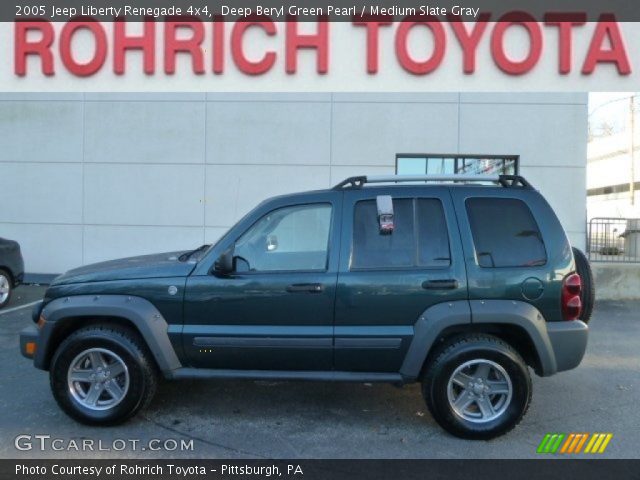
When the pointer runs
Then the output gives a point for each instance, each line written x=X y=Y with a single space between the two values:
x=326 y=54
x=207 y=44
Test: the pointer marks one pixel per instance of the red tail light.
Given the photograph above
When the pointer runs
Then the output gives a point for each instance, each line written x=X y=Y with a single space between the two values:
x=571 y=303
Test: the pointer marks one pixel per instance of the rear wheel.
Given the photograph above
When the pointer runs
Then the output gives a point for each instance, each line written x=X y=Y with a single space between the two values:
x=6 y=288
x=588 y=292
x=477 y=387
x=102 y=375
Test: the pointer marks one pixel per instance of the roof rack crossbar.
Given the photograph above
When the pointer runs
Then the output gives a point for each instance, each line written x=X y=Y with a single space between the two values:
x=507 y=181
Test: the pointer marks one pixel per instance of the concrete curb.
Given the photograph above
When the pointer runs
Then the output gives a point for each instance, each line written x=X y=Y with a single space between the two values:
x=617 y=281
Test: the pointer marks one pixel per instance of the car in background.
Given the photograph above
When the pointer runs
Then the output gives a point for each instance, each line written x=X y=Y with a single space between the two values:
x=11 y=269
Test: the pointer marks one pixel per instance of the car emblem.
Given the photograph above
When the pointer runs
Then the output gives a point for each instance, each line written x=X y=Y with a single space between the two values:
x=173 y=290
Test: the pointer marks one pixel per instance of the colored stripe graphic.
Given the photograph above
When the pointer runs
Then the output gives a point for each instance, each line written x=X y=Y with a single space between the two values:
x=604 y=445
x=598 y=443
x=581 y=443
x=573 y=443
x=550 y=443
x=543 y=443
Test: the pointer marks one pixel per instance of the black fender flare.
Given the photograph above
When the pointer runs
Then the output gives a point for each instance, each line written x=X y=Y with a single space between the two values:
x=437 y=318
x=140 y=312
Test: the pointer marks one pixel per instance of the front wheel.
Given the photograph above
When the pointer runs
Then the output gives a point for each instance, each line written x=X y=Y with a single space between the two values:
x=477 y=387
x=102 y=375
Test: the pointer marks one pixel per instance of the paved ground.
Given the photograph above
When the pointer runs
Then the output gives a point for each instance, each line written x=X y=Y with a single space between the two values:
x=322 y=420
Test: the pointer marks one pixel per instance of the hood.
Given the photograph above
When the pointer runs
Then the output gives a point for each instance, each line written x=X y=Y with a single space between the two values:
x=147 y=266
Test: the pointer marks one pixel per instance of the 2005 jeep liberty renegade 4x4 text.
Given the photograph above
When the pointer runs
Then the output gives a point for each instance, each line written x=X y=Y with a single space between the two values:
x=461 y=283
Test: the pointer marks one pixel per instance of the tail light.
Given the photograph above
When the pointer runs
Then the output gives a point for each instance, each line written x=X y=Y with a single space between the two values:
x=571 y=303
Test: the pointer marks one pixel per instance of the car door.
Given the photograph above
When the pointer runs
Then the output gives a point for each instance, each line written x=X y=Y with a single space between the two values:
x=386 y=281
x=275 y=310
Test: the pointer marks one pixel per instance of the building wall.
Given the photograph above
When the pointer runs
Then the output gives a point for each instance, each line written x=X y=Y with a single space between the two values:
x=89 y=177
x=609 y=165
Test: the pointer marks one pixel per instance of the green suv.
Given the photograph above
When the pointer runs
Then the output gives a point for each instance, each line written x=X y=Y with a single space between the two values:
x=460 y=283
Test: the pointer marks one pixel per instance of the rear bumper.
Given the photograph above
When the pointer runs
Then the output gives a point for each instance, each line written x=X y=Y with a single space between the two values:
x=569 y=343
x=29 y=336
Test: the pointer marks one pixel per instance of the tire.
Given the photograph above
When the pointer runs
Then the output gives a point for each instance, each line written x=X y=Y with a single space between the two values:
x=465 y=354
x=6 y=287
x=124 y=369
x=588 y=293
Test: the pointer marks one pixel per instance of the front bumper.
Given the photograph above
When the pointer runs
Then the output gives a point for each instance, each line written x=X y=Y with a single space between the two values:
x=29 y=338
x=569 y=343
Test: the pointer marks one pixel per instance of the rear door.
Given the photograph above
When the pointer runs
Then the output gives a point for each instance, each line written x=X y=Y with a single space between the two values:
x=386 y=281
x=515 y=246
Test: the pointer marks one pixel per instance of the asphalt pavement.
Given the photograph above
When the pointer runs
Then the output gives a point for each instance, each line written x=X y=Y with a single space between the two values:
x=274 y=420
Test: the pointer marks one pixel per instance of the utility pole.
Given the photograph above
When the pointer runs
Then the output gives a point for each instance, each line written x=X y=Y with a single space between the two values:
x=632 y=148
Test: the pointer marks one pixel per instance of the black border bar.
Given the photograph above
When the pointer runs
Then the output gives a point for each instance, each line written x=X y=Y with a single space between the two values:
x=494 y=469
x=103 y=10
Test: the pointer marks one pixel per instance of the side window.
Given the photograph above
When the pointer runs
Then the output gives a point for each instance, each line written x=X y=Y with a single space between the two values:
x=505 y=234
x=371 y=249
x=433 y=238
x=419 y=238
x=286 y=239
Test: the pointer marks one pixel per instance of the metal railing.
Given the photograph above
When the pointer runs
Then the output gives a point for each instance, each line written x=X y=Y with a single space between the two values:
x=614 y=240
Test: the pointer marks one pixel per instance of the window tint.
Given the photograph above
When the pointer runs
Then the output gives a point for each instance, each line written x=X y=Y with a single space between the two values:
x=505 y=233
x=433 y=238
x=291 y=238
x=371 y=249
x=419 y=239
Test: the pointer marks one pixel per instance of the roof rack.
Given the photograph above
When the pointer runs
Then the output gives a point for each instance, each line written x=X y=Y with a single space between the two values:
x=507 y=181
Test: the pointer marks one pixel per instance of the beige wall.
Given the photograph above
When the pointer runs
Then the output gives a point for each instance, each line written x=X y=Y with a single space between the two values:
x=89 y=177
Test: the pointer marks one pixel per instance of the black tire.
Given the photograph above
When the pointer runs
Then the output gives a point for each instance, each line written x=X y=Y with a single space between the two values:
x=6 y=279
x=457 y=352
x=588 y=293
x=128 y=346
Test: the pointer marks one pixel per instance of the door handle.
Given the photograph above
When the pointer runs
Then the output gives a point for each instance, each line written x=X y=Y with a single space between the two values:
x=446 y=284
x=305 y=288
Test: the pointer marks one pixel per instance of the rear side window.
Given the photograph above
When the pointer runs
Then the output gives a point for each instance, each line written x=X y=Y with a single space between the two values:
x=505 y=233
x=420 y=236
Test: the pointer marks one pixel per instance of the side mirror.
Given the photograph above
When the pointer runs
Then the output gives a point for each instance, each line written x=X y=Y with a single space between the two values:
x=224 y=263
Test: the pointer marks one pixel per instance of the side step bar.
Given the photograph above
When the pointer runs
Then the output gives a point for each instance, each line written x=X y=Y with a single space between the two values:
x=322 y=376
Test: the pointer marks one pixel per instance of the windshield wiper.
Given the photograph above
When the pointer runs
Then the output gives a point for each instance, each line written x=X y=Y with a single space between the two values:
x=187 y=255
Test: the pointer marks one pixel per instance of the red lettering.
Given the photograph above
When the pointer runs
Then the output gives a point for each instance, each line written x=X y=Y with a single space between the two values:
x=607 y=27
x=99 y=55
x=190 y=45
x=218 y=45
x=469 y=40
x=510 y=66
x=252 y=67
x=417 y=67
x=145 y=42
x=296 y=41
x=565 y=23
x=373 y=29
x=41 y=47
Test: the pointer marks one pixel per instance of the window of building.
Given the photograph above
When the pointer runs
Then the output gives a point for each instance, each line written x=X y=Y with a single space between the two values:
x=505 y=233
x=287 y=239
x=420 y=236
x=411 y=164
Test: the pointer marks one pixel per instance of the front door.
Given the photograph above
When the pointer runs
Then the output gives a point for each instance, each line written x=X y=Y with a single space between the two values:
x=387 y=280
x=275 y=310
